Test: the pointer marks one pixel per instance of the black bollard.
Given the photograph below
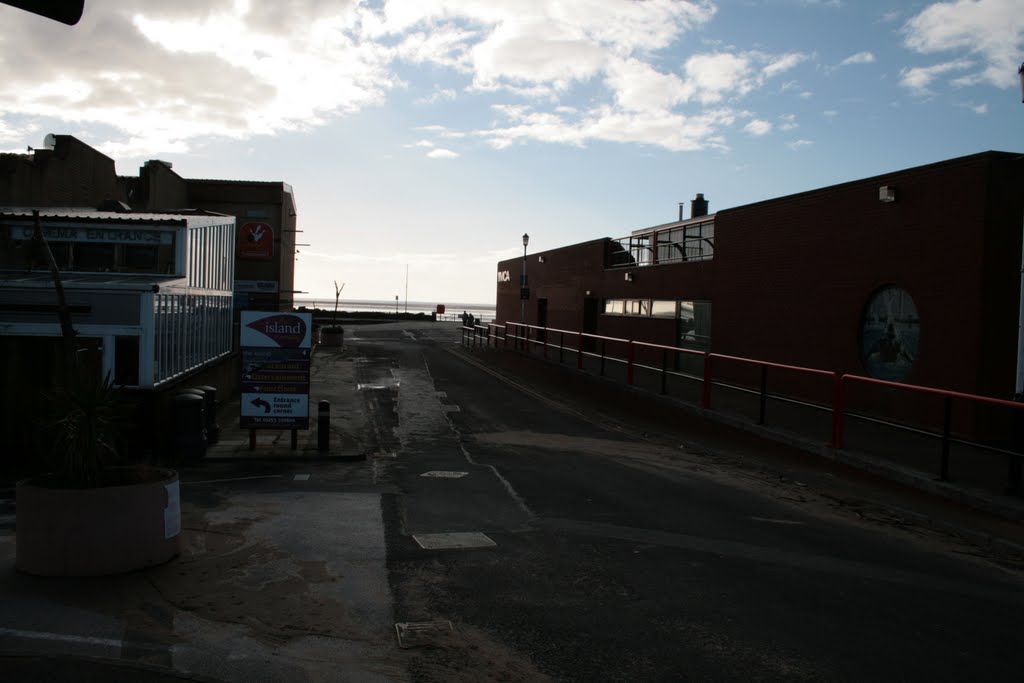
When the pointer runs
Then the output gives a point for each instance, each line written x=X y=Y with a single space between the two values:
x=323 y=426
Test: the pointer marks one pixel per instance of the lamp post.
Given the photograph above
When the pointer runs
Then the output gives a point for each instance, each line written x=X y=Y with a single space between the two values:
x=524 y=285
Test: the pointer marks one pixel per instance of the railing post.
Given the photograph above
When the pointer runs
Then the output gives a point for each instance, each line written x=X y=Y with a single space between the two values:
x=707 y=382
x=764 y=393
x=544 y=342
x=629 y=362
x=947 y=422
x=579 y=351
x=664 y=370
x=561 y=346
x=603 y=343
x=526 y=339
x=838 y=408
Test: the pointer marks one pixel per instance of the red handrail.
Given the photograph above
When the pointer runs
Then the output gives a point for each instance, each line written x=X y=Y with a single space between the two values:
x=838 y=406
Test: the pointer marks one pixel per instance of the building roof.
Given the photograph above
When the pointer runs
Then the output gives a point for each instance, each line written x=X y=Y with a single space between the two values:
x=83 y=215
x=71 y=280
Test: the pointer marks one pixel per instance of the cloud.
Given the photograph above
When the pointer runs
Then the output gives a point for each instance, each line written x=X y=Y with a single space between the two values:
x=758 y=127
x=918 y=79
x=441 y=153
x=164 y=77
x=859 y=58
x=797 y=144
x=986 y=33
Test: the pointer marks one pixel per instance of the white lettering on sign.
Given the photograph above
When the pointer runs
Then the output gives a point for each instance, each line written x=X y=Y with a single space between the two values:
x=503 y=276
x=107 y=235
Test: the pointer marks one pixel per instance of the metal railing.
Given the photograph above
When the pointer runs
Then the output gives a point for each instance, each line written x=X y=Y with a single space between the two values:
x=556 y=344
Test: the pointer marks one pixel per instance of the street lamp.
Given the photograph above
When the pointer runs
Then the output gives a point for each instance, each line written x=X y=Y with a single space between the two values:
x=524 y=285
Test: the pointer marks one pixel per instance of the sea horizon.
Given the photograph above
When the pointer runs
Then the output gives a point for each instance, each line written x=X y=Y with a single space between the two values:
x=480 y=310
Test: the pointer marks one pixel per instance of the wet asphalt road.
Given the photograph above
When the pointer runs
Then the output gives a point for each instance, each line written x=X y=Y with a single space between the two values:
x=614 y=557
x=608 y=565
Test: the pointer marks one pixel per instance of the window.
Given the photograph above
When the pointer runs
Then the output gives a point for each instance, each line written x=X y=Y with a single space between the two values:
x=695 y=324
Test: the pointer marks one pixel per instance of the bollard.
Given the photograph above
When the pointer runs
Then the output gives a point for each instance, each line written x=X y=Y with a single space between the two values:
x=323 y=426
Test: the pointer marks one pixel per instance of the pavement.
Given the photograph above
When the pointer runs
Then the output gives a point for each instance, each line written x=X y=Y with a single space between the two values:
x=266 y=585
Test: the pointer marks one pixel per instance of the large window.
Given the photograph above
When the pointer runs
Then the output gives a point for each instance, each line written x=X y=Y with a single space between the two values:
x=688 y=242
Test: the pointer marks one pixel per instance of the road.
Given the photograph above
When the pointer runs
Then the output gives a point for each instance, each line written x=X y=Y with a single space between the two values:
x=620 y=559
x=522 y=527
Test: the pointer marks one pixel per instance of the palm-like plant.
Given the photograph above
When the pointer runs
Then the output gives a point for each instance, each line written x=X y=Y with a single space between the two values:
x=87 y=420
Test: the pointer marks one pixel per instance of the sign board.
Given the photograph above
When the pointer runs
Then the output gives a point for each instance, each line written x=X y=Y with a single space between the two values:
x=268 y=286
x=275 y=369
x=256 y=242
x=104 y=234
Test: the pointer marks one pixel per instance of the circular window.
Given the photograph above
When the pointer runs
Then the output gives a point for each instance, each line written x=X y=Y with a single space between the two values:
x=890 y=333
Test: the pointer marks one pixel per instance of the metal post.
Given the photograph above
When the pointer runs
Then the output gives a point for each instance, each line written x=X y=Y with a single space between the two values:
x=838 y=407
x=664 y=370
x=947 y=420
x=707 y=382
x=764 y=393
x=603 y=342
x=579 y=351
x=561 y=346
x=252 y=439
x=629 y=362
x=323 y=426
x=295 y=439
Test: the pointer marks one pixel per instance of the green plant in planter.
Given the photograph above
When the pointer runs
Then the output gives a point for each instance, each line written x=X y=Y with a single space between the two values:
x=88 y=415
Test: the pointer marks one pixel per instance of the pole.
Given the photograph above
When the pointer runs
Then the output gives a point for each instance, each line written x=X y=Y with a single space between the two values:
x=522 y=288
x=406 y=287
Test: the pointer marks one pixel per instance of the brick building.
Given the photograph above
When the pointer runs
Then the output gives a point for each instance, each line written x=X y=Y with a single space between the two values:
x=912 y=276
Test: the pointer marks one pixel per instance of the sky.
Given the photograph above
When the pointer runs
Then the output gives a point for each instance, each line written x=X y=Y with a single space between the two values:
x=422 y=138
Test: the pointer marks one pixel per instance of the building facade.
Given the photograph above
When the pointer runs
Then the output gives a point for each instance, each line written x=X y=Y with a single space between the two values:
x=912 y=276
x=155 y=269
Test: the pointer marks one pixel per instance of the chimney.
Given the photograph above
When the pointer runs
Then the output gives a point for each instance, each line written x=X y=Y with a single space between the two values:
x=698 y=207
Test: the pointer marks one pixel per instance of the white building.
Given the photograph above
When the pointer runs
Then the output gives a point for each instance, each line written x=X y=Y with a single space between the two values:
x=150 y=293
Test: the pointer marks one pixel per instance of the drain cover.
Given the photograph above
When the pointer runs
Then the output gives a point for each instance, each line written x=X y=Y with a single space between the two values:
x=454 y=540
x=444 y=474
x=419 y=633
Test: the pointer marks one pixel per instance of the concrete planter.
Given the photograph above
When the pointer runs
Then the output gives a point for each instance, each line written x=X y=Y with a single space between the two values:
x=332 y=337
x=97 y=531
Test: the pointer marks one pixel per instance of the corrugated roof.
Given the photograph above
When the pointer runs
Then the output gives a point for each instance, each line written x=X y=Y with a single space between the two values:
x=91 y=215
x=21 y=278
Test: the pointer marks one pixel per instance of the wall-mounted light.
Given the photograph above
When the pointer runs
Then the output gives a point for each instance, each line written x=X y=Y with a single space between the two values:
x=541 y=259
x=887 y=194
x=629 y=277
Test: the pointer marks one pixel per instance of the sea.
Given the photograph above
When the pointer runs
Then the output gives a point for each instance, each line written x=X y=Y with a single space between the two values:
x=452 y=311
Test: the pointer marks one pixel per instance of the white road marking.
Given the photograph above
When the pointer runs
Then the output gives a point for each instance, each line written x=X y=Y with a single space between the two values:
x=769 y=520
x=218 y=481
x=454 y=540
x=444 y=474
x=301 y=477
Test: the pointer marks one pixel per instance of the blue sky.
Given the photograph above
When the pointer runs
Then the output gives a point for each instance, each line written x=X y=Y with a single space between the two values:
x=434 y=134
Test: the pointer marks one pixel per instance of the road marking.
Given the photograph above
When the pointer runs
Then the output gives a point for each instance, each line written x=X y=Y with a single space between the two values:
x=301 y=477
x=444 y=474
x=61 y=637
x=451 y=409
x=414 y=633
x=454 y=540
x=769 y=520
x=218 y=481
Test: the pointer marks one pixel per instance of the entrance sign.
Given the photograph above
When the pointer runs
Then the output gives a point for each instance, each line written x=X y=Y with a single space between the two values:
x=256 y=242
x=275 y=369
